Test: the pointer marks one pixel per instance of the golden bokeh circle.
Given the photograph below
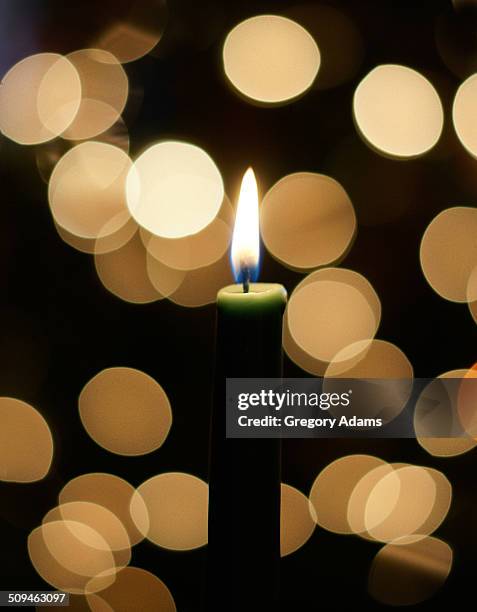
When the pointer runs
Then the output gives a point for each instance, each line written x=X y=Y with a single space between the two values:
x=104 y=92
x=405 y=575
x=463 y=114
x=307 y=220
x=87 y=190
x=452 y=231
x=197 y=250
x=436 y=406
x=124 y=273
x=311 y=362
x=325 y=316
x=200 y=287
x=111 y=492
x=39 y=98
x=134 y=589
x=103 y=244
x=333 y=487
x=177 y=505
x=99 y=518
x=393 y=510
x=174 y=189
x=67 y=562
x=270 y=59
x=297 y=521
x=398 y=111
x=125 y=411
x=136 y=33
x=26 y=443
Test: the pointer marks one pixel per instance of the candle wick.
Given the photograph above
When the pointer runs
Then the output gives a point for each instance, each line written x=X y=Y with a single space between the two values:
x=246 y=279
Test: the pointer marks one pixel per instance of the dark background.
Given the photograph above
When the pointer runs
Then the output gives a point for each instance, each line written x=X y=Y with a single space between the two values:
x=60 y=326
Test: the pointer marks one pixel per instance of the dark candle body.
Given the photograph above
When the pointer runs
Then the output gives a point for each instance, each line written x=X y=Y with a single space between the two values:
x=244 y=494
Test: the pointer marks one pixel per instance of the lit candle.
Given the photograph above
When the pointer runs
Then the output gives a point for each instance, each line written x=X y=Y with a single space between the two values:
x=244 y=494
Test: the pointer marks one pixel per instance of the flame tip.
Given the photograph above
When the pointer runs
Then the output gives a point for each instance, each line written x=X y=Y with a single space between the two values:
x=246 y=237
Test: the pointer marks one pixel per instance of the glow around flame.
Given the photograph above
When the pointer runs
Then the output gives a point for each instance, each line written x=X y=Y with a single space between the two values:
x=245 y=253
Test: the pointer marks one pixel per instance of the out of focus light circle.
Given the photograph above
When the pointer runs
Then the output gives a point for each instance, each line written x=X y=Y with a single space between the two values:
x=68 y=562
x=393 y=509
x=398 y=111
x=315 y=362
x=463 y=114
x=332 y=489
x=307 y=220
x=87 y=190
x=125 y=411
x=297 y=522
x=325 y=316
x=174 y=189
x=39 y=98
x=137 y=32
x=104 y=92
x=405 y=575
x=270 y=59
x=200 y=287
x=197 y=250
x=134 y=589
x=124 y=272
x=111 y=492
x=102 y=244
x=99 y=518
x=177 y=505
x=437 y=406
x=448 y=252
x=371 y=359
x=26 y=444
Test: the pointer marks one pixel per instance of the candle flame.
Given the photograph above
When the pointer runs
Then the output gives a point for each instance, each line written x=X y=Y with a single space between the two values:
x=246 y=238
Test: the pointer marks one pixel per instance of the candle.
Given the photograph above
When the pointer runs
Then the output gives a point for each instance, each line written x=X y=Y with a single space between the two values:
x=244 y=493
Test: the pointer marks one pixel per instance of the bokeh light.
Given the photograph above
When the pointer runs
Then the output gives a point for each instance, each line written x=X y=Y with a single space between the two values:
x=332 y=488
x=398 y=111
x=393 y=509
x=296 y=520
x=404 y=575
x=111 y=492
x=134 y=589
x=26 y=443
x=102 y=244
x=200 y=287
x=270 y=59
x=451 y=231
x=383 y=397
x=197 y=250
x=177 y=505
x=124 y=273
x=435 y=410
x=125 y=411
x=99 y=518
x=463 y=114
x=307 y=220
x=87 y=190
x=39 y=98
x=471 y=293
x=135 y=33
x=68 y=562
x=358 y=499
x=370 y=359
x=104 y=92
x=329 y=310
x=174 y=189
